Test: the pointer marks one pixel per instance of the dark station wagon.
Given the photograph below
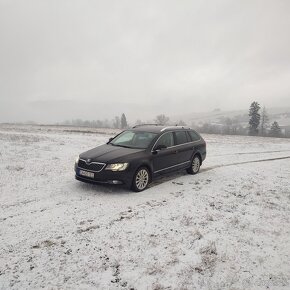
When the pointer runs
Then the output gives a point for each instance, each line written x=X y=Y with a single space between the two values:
x=135 y=156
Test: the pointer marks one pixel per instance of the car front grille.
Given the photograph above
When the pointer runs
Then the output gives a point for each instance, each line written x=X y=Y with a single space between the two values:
x=93 y=166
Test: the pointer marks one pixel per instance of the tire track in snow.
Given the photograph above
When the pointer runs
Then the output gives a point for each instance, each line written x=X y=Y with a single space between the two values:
x=256 y=152
x=174 y=175
x=244 y=162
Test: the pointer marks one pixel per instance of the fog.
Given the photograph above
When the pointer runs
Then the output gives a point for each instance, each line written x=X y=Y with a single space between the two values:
x=97 y=59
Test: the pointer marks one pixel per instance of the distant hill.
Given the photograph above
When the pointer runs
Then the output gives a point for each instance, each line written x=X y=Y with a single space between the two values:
x=281 y=115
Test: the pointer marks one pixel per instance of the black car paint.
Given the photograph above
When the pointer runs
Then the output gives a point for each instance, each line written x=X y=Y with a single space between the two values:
x=157 y=161
x=109 y=154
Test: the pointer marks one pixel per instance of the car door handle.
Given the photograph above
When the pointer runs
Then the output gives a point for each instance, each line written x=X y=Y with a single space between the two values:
x=175 y=152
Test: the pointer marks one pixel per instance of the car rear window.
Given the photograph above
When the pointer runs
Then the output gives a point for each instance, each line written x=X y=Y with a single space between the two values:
x=194 y=136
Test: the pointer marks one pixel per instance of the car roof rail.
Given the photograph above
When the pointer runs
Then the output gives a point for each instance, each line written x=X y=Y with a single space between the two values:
x=176 y=126
x=140 y=125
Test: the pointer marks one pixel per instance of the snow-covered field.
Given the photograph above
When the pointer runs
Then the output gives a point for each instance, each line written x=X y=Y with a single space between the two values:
x=226 y=228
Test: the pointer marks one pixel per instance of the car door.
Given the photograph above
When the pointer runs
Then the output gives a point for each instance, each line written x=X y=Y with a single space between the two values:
x=184 y=148
x=164 y=159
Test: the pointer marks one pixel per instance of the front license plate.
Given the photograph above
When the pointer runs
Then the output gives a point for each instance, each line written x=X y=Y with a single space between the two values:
x=87 y=173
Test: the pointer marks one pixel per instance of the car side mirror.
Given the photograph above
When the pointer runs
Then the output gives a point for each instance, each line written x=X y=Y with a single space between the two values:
x=110 y=140
x=159 y=147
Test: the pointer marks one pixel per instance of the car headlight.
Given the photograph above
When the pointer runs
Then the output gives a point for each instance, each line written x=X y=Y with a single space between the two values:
x=77 y=160
x=117 y=166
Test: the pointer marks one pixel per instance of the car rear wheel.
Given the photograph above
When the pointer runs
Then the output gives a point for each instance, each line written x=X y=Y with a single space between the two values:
x=141 y=179
x=195 y=165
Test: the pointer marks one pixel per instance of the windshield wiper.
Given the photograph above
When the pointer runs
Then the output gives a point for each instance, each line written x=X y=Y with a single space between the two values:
x=124 y=146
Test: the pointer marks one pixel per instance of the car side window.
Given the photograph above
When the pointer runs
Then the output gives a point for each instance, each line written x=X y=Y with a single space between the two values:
x=143 y=139
x=166 y=140
x=194 y=136
x=181 y=137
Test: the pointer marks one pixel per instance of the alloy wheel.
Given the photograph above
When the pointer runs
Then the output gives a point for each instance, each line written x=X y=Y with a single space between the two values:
x=142 y=179
x=195 y=165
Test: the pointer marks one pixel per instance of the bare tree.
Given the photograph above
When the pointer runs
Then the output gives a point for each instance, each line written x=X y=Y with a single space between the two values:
x=138 y=122
x=117 y=122
x=181 y=123
x=264 y=122
x=228 y=122
x=161 y=119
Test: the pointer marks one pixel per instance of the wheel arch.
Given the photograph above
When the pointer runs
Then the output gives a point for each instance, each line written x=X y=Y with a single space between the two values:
x=199 y=156
x=148 y=166
x=143 y=166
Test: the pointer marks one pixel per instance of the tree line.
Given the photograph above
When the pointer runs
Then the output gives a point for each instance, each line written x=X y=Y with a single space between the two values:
x=116 y=123
x=257 y=120
x=119 y=122
x=259 y=123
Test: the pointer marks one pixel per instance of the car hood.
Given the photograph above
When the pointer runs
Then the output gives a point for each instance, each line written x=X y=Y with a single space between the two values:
x=107 y=153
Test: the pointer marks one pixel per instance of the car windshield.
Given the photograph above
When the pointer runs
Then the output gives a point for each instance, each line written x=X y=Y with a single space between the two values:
x=133 y=139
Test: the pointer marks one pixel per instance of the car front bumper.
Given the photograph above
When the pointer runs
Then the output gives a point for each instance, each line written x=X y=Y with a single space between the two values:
x=106 y=177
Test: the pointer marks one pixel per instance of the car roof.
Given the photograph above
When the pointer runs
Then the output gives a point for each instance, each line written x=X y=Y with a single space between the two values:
x=158 y=128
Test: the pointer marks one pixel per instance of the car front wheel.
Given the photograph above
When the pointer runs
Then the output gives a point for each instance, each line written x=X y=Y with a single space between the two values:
x=195 y=165
x=141 y=179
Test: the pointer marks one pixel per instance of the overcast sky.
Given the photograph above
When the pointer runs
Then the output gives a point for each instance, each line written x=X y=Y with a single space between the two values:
x=95 y=59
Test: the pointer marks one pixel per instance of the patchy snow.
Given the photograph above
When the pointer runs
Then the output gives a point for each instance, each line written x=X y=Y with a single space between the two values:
x=226 y=228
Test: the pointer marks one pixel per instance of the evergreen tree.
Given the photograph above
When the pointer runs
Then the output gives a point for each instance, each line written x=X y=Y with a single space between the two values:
x=275 y=130
x=254 y=120
x=264 y=121
x=124 y=123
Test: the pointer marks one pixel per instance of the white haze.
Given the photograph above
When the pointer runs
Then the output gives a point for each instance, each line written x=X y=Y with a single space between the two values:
x=97 y=59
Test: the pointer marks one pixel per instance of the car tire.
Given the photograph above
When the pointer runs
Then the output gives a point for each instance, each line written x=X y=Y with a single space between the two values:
x=195 y=165
x=141 y=179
